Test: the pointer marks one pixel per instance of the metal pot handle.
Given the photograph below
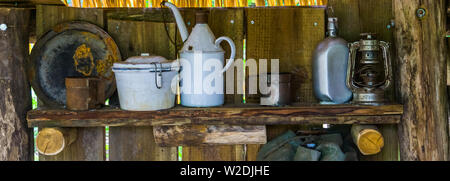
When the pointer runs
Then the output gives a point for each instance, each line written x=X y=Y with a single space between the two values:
x=233 y=51
x=158 y=75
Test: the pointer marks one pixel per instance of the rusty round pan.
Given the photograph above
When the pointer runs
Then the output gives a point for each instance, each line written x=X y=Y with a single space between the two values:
x=73 y=49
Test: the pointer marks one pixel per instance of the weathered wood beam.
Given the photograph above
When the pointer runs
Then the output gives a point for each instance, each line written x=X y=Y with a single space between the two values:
x=197 y=135
x=421 y=79
x=336 y=114
x=15 y=98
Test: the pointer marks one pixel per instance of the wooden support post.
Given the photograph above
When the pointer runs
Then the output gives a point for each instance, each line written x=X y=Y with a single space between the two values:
x=421 y=78
x=15 y=98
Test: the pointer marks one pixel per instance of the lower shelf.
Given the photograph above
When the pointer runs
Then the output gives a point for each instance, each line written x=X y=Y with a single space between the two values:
x=225 y=115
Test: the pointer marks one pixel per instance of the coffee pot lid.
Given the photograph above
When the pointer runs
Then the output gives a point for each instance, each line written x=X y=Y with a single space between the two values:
x=201 y=37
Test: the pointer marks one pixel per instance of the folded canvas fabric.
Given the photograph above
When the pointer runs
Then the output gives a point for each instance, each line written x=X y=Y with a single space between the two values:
x=306 y=154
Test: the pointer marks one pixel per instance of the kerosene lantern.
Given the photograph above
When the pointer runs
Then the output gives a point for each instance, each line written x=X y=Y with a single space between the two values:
x=369 y=71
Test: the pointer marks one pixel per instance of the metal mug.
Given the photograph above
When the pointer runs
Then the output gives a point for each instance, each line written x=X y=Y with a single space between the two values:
x=279 y=91
x=84 y=93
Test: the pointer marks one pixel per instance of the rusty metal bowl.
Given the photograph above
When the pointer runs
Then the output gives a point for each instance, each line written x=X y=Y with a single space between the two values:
x=73 y=49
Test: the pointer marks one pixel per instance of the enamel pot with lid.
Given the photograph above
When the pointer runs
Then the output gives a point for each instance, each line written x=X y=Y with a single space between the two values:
x=202 y=63
x=146 y=83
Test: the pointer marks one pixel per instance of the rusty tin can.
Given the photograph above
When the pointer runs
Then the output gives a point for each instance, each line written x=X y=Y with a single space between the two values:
x=279 y=90
x=84 y=93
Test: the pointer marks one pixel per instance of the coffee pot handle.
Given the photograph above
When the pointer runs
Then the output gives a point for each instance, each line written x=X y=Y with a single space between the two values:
x=233 y=51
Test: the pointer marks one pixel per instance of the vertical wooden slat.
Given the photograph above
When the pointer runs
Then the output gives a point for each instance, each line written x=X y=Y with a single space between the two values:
x=230 y=22
x=16 y=138
x=90 y=143
x=223 y=22
x=137 y=144
x=49 y=16
x=363 y=16
x=214 y=153
x=290 y=35
x=134 y=38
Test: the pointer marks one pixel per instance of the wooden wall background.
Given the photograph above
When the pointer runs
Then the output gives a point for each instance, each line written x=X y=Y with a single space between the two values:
x=287 y=33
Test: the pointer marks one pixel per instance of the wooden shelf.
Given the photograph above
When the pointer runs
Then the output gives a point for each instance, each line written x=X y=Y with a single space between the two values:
x=226 y=115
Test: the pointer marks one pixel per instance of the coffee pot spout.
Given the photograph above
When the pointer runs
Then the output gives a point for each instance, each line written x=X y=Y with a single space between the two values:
x=180 y=22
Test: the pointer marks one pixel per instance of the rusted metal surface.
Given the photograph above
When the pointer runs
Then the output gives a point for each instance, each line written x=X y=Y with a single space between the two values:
x=84 y=93
x=73 y=49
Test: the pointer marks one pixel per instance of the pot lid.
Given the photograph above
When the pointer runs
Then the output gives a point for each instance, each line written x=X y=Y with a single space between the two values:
x=146 y=63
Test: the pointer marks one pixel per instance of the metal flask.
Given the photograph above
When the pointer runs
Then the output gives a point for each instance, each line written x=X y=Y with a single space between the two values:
x=202 y=60
x=330 y=60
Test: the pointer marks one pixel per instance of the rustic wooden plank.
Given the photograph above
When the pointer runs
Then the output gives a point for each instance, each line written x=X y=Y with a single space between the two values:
x=332 y=114
x=88 y=146
x=421 y=59
x=90 y=143
x=289 y=34
x=137 y=144
x=230 y=22
x=448 y=58
x=348 y=14
x=270 y=120
x=48 y=16
x=252 y=151
x=15 y=100
x=214 y=153
x=134 y=38
x=197 y=135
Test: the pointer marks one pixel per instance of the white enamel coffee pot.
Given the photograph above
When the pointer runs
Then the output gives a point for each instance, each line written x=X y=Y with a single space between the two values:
x=201 y=60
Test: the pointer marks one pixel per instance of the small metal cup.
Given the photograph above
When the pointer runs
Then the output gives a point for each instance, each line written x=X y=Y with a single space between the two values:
x=84 y=93
x=278 y=95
